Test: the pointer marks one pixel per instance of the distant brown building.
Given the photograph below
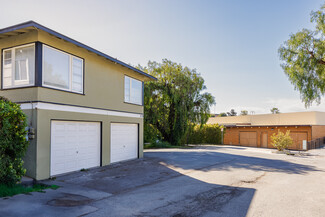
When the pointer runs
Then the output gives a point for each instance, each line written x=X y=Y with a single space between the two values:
x=256 y=130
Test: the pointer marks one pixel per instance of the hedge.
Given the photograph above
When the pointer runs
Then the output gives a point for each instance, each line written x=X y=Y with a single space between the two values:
x=205 y=134
x=13 y=143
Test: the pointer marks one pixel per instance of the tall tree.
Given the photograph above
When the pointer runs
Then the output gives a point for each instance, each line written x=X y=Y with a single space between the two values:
x=232 y=113
x=275 y=110
x=303 y=59
x=175 y=100
x=222 y=114
x=243 y=112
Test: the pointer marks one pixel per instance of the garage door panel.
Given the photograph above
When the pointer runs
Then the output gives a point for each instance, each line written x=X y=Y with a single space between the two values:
x=59 y=139
x=84 y=163
x=248 y=139
x=124 y=142
x=74 y=146
x=59 y=127
x=297 y=138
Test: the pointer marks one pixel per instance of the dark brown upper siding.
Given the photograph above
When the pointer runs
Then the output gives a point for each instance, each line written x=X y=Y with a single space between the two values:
x=232 y=135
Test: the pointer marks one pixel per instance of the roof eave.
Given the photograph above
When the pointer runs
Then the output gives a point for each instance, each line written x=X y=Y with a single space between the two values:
x=66 y=38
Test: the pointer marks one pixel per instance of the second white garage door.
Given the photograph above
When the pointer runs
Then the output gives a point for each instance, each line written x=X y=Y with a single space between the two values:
x=74 y=145
x=124 y=142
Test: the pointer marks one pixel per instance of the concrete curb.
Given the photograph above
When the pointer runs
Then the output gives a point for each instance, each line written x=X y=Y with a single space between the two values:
x=27 y=181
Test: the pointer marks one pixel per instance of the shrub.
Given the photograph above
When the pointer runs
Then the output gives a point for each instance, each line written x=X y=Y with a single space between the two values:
x=158 y=144
x=13 y=143
x=205 y=134
x=151 y=134
x=281 y=140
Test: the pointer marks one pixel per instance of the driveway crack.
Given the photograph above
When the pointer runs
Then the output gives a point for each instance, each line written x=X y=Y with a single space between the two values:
x=251 y=181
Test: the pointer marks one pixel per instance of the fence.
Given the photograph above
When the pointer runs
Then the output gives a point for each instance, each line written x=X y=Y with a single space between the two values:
x=316 y=143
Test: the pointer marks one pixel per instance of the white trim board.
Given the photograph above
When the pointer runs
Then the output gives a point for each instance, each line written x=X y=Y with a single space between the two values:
x=67 y=108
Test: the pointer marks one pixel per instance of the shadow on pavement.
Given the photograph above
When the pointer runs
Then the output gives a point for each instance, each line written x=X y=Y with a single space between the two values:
x=182 y=196
x=148 y=188
x=209 y=160
x=216 y=147
x=142 y=187
x=151 y=187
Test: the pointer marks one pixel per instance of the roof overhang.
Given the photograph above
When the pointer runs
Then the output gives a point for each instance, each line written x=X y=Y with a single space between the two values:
x=288 y=125
x=31 y=25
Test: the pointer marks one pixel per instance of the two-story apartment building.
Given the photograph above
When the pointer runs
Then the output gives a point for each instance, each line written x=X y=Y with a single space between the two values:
x=84 y=108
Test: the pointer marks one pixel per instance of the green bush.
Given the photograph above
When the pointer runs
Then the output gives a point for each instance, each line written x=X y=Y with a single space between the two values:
x=281 y=141
x=151 y=134
x=205 y=134
x=158 y=144
x=13 y=143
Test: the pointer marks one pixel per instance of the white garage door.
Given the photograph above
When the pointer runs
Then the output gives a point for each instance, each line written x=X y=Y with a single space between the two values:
x=74 y=146
x=124 y=142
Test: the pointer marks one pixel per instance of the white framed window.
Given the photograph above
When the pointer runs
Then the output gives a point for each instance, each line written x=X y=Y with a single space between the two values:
x=18 y=66
x=61 y=70
x=133 y=90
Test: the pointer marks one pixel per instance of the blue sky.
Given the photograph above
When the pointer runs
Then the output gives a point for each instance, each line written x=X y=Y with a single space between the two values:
x=232 y=43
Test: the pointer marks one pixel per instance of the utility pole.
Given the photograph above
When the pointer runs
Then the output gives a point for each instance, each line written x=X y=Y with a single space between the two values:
x=221 y=136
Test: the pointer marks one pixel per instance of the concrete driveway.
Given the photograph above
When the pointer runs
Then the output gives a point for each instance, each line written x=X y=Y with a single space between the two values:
x=203 y=181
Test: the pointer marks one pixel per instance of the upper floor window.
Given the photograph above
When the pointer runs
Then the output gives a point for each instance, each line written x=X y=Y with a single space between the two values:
x=133 y=90
x=62 y=70
x=19 y=66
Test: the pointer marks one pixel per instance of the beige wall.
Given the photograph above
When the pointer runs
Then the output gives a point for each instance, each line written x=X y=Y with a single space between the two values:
x=30 y=156
x=104 y=80
x=21 y=94
x=44 y=118
x=21 y=39
x=17 y=95
x=24 y=94
x=295 y=118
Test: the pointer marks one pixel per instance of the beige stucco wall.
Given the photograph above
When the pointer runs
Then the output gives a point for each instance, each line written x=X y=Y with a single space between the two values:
x=44 y=118
x=23 y=94
x=104 y=80
x=295 y=118
x=30 y=156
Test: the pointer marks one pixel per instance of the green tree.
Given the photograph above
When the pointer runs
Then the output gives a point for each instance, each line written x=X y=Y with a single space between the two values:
x=303 y=60
x=232 y=113
x=174 y=101
x=222 y=114
x=275 y=110
x=13 y=143
x=244 y=112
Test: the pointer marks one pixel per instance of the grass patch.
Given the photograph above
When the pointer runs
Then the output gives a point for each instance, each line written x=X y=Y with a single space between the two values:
x=6 y=191
x=161 y=144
